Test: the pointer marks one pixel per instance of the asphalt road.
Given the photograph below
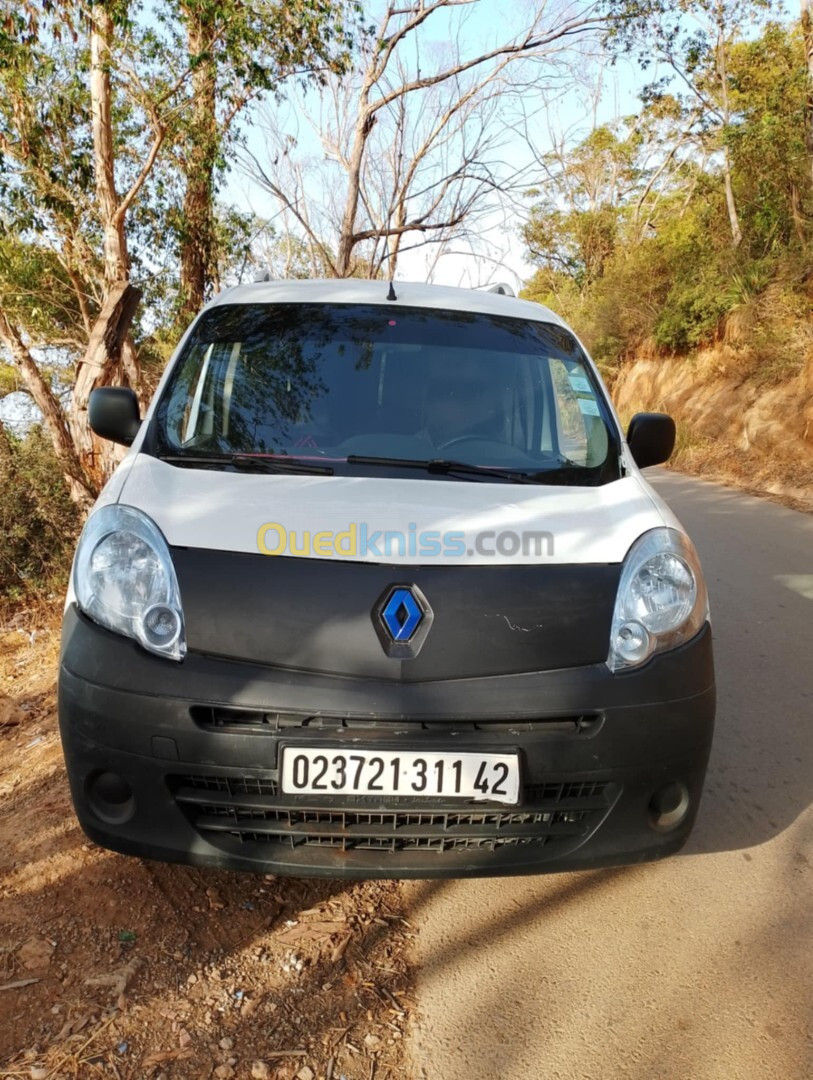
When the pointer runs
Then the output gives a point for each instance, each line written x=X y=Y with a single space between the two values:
x=694 y=968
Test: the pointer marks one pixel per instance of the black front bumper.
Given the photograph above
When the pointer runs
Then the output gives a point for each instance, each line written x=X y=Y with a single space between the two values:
x=604 y=761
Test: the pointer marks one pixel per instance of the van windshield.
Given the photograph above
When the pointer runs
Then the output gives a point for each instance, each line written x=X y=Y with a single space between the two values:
x=339 y=384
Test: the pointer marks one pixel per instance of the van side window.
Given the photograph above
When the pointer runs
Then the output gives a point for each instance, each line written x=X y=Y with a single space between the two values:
x=582 y=435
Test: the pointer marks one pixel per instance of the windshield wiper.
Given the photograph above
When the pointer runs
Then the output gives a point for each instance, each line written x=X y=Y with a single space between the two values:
x=249 y=463
x=462 y=468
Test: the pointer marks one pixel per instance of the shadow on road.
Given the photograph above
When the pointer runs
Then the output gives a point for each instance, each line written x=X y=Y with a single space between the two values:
x=603 y=975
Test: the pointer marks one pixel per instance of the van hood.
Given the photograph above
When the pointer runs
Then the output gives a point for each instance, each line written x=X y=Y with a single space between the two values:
x=227 y=511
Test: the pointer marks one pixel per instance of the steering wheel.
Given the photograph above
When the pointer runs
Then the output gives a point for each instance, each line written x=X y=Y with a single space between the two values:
x=472 y=438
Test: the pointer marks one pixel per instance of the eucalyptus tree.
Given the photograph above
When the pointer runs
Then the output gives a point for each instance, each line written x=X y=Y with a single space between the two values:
x=235 y=53
x=105 y=114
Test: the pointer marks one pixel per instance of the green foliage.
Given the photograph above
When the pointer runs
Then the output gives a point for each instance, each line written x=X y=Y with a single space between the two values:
x=591 y=181
x=38 y=522
x=767 y=141
x=235 y=53
x=35 y=290
x=651 y=264
x=48 y=202
x=181 y=72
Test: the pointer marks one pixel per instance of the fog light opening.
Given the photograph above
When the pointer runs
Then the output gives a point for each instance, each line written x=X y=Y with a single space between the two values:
x=110 y=797
x=669 y=806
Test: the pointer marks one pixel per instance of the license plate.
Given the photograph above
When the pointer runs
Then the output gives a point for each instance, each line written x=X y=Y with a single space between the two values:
x=492 y=777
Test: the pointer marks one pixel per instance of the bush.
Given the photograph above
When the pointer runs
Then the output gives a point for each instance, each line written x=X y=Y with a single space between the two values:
x=38 y=521
x=670 y=277
x=684 y=288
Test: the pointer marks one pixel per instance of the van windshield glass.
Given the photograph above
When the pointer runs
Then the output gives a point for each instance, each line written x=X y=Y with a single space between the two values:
x=327 y=383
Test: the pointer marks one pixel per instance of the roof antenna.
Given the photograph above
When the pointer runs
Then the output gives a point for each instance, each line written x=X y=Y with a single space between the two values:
x=391 y=294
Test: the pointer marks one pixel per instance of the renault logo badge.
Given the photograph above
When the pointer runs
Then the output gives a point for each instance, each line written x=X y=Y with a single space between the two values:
x=402 y=618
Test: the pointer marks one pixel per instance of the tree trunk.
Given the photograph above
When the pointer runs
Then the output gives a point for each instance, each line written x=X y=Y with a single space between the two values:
x=197 y=232
x=731 y=205
x=347 y=233
x=116 y=263
x=97 y=367
x=807 y=35
x=365 y=121
x=103 y=356
x=395 y=241
x=82 y=488
x=722 y=74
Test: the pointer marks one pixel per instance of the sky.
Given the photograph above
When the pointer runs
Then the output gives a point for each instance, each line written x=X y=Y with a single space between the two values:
x=500 y=254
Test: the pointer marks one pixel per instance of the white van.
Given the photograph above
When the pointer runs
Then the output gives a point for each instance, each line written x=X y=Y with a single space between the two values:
x=380 y=590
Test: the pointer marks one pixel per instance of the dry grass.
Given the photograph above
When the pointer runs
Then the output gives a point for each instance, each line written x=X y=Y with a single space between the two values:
x=735 y=424
x=758 y=474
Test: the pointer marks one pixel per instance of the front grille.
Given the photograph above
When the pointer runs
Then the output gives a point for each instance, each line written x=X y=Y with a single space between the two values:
x=417 y=843
x=230 y=785
x=246 y=810
x=575 y=789
x=228 y=718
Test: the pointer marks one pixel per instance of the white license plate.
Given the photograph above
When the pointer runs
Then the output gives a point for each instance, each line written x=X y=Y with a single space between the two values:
x=492 y=777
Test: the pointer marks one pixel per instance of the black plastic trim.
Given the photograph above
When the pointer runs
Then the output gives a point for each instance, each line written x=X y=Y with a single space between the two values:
x=127 y=713
x=317 y=615
x=100 y=657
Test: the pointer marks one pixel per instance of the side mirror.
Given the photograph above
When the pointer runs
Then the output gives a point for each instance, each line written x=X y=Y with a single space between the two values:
x=113 y=414
x=651 y=438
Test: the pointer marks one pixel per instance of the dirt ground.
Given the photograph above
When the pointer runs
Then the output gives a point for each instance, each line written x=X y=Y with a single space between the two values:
x=117 y=967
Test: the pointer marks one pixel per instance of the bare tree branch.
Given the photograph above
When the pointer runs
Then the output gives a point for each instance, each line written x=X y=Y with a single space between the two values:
x=409 y=152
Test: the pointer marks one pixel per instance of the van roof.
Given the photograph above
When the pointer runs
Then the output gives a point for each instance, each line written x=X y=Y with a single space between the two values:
x=408 y=293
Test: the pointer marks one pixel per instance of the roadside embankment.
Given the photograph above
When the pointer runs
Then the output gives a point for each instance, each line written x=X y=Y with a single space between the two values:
x=732 y=425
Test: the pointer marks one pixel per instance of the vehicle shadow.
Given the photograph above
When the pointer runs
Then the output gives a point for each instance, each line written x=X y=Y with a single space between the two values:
x=149 y=967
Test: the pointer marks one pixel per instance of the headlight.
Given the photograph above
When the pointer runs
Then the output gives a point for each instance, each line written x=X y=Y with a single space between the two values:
x=661 y=598
x=124 y=579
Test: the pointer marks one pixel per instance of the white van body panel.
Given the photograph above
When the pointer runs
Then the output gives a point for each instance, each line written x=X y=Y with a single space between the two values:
x=224 y=511
x=409 y=294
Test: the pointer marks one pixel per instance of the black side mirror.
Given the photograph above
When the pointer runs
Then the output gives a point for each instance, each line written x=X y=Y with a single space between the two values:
x=113 y=414
x=651 y=438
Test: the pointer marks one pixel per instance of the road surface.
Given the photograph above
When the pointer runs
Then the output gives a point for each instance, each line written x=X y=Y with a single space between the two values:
x=696 y=968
